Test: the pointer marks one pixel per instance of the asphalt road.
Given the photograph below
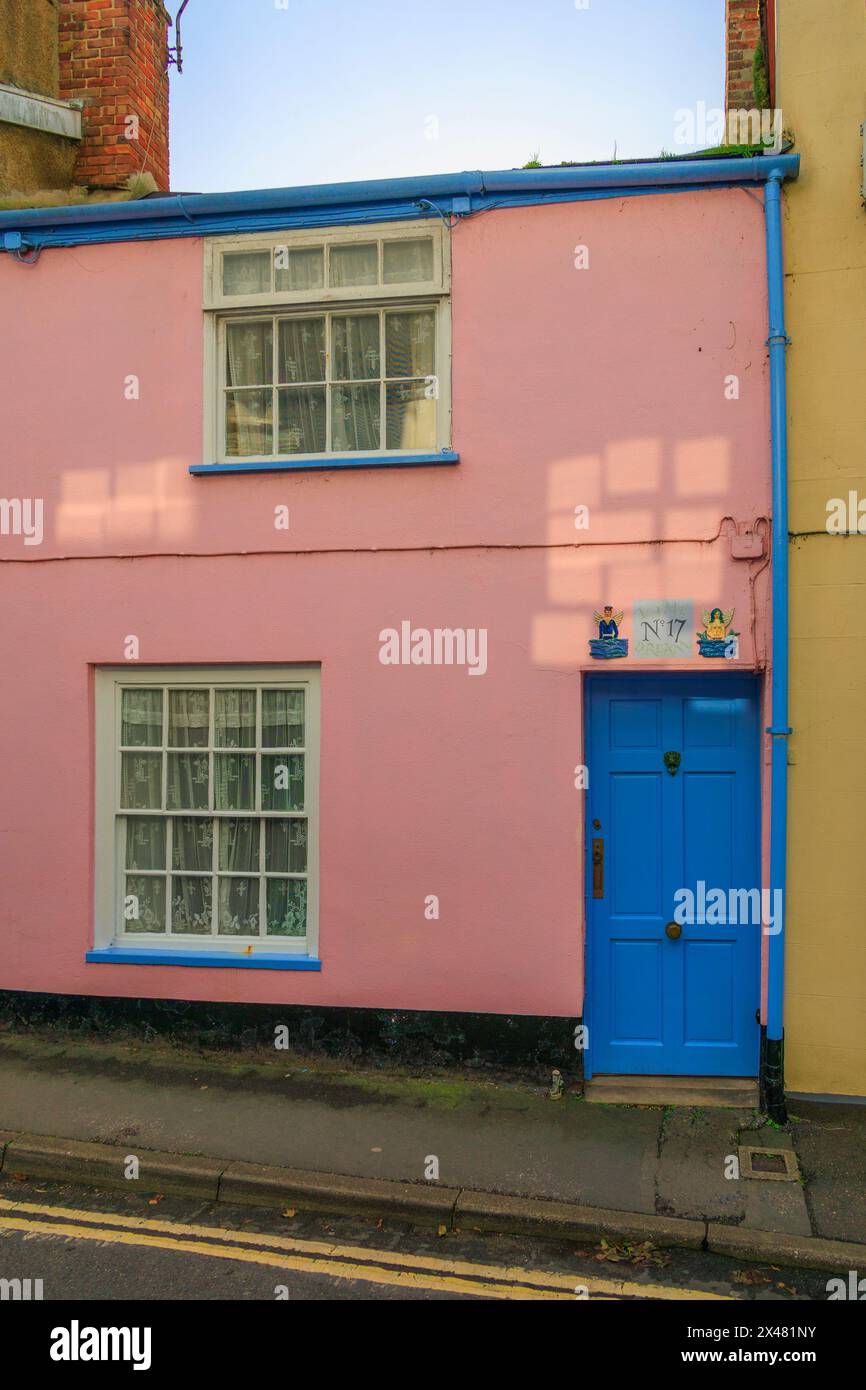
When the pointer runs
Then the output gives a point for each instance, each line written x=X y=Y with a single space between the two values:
x=89 y=1245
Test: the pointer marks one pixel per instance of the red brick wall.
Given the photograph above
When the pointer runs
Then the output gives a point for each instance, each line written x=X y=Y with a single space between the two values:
x=743 y=30
x=113 y=54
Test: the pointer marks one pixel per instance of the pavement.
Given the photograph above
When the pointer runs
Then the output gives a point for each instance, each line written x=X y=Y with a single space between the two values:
x=494 y=1154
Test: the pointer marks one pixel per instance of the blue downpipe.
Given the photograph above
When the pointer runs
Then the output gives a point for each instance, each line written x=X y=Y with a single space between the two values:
x=777 y=341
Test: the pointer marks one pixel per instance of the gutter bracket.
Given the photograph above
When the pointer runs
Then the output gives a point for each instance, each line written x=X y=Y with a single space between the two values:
x=24 y=251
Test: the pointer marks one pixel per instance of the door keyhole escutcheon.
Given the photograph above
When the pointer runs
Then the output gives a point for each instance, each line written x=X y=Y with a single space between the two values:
x=598 y=868
x=673 y=931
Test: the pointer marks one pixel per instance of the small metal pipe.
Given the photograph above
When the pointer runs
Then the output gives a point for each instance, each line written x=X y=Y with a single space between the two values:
x=175 y=54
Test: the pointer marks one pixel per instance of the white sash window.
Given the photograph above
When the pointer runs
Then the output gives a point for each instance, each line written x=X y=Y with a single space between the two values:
x=334 y=344
x=207 y=796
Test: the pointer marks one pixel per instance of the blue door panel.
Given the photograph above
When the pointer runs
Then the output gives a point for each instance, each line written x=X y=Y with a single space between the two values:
x=710 y=992
x=636 y=841
x=707 y=723
x=709 y=827
x=636 y=989
x=658 y=1005
x=635 y=723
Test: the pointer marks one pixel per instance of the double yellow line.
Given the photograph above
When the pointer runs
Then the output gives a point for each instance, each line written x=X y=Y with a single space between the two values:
x=372 y=1266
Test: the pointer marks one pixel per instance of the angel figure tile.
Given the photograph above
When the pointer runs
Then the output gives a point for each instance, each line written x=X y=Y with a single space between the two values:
x=608 y=644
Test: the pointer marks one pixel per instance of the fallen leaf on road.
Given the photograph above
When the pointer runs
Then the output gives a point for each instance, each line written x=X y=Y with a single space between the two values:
x=750 y=1276
x=289 y=1211
x=642 y=1254
x=442 y=1230
x=152 y=1201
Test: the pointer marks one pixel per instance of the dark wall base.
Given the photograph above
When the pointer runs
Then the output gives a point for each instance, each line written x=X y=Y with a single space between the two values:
x=377 y=1035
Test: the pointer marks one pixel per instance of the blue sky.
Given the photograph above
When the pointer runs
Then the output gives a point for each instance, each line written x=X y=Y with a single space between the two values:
x=281 y=92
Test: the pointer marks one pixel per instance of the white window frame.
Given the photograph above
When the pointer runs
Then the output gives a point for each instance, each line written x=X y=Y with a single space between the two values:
x=220 y=308
x=109 y=816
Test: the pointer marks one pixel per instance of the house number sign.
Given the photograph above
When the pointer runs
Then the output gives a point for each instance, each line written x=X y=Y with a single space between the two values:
x=663 y=629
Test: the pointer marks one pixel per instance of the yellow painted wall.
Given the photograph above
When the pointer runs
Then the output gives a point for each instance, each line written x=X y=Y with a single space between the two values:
x=821 y=88
x=29 y=46
x=29 y=58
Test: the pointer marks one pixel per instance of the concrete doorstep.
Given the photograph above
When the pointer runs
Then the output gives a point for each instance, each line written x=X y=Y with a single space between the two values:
x=217 y=1180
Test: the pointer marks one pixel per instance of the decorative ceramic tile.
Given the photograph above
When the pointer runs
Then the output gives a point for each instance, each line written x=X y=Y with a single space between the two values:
x=717 y=640
x=608 y=645
x=663 y=629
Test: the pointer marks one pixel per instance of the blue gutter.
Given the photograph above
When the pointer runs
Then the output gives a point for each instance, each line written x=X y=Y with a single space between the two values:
x=777 y=342
x=199 y=214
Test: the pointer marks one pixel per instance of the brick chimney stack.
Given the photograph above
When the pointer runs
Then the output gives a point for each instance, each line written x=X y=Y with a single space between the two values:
x=114 y=55
x=743 y=33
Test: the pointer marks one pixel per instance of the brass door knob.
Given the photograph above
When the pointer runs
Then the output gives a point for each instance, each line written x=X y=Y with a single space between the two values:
x=673 y=930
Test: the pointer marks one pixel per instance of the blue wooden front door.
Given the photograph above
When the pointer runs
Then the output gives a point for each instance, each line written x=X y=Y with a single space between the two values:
x=658 y=1003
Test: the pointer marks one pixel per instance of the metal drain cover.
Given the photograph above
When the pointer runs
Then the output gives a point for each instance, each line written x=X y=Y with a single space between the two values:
x=774 y=1165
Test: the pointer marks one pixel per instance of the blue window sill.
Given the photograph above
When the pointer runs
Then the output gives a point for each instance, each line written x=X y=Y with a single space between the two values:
x=229 y=960
x=306 y=464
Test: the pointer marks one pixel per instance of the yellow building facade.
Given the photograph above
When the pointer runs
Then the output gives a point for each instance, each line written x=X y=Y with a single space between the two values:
x=820 y=88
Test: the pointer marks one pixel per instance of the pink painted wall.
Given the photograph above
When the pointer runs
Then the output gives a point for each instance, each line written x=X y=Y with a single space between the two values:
x=602 y=387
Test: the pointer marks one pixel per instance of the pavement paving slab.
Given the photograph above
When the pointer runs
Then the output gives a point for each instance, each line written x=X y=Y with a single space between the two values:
x=831 y=1143
x=694 y=1158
